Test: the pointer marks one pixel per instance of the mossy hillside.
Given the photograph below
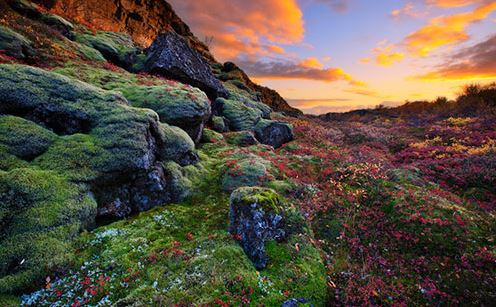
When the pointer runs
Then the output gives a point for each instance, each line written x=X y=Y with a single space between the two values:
x=115 y=47
x=24 y=138
x=176 y=103
x=100 y=135
x=182 y=254
x=41 y=213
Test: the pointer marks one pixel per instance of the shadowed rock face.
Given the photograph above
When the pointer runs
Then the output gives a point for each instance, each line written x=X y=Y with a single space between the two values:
x=172 y=57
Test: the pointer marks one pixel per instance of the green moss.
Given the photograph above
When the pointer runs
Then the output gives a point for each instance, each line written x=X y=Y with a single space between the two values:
x=76 y=156
x=24 y=138
x=40 y=209
x=175 y=103
x=9 y=300
x=113 y=46
x=89 y=53
x=210 y=136
x=252 y=171
x=267 y=199
x=240 y=116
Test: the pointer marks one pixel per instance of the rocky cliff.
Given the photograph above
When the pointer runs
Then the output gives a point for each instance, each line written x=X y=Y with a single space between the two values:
x=144 y=20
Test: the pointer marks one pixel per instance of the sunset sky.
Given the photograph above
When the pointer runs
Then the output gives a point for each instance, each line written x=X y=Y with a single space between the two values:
x=337 y=55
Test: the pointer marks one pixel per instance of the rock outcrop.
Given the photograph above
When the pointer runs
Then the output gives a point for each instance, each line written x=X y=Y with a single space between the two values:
x=14 y=44
x=273 y=132
x=256 y=216
x=129 y=145
x=171 y=57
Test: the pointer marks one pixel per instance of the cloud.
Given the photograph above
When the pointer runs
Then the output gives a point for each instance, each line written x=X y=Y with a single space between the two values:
x=386 y=55
x=438 y=32
x=454 y=3
x=445 y=30
x=363 y=92
x=312 y=63
x=254 y=27
x=286 y=69
x=407 y=11
x=472 y=63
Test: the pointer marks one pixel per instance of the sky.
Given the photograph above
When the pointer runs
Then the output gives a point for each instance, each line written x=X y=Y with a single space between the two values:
x=339 y=55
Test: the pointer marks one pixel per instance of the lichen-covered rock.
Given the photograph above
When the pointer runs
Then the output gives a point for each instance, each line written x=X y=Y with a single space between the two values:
x=256 y=215
x=274 y=132
x=172 y=57
x=219 y=124
x=241 y=138
x=249 y=170
x=24 y=138
x=14 y=44
x=238 y=115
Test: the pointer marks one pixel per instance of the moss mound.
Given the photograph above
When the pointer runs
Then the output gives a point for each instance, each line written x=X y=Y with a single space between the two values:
x=41 y=212
x=24 y=138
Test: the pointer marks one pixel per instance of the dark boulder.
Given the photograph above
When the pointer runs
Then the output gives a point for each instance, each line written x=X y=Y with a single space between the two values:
x=256 y=216
x=171 y=56
x=161 y=184
x=273 y=132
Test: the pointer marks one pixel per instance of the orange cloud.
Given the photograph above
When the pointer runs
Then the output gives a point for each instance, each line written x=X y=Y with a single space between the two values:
x=287 y=70
x=438 y=32
x=453 y=3
x=445 y=30
x=407 y=11
x=312 y=63
x=277 y=49
x=386 y=56
x=473 y=63
x=252 y=27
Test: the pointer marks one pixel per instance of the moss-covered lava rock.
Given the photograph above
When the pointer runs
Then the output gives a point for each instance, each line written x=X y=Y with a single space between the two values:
x=14 y=44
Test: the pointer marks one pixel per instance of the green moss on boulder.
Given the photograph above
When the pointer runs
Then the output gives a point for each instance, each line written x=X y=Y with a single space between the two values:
x=250 y=170
x=239 y=116
x=24 y=138
x=40 y=213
